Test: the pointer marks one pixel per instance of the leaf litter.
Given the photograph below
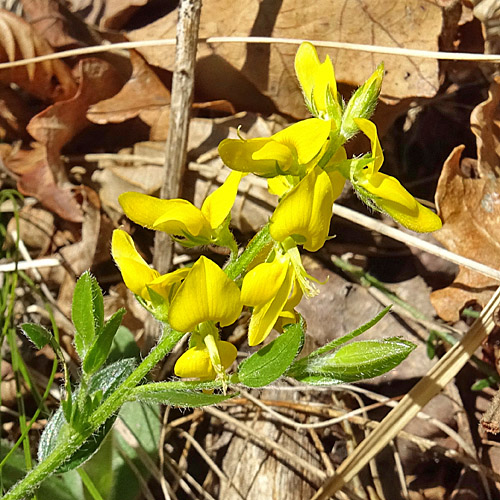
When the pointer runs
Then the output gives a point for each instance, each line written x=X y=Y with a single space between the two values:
x=59 y=107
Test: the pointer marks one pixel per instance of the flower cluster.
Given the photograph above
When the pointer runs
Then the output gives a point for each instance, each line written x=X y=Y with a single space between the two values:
x=306 y=167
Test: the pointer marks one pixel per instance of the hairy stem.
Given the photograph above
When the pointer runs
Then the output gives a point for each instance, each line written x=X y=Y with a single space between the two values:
x=74 y=440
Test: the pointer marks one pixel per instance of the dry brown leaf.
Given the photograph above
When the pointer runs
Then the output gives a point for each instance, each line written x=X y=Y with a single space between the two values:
x=48 y=80
x=59 y=123
x=15 y=113
x=52 y=20
x=41 y=171
x=468 y=202
x=488 y=12
x=143 y=95
x=35 y=178
x=269 y=68
x=36 y=228
x=470 y=209
x=485 y=123
x=108 y=14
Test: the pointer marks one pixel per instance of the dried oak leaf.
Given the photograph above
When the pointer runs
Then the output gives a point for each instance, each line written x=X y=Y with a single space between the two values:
x=35 y=178
x=485 y=124
x=48 y=80
x=469 y=205
x=111 y=14
x=40 y=170
x=470 y=209
x=50 y=19
x=143 y=95
x=268 y=68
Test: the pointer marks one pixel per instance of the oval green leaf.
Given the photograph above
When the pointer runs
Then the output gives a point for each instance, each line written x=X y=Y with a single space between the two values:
x=183 y=399
x=39 y=335
x=356 y=361
x=270 y=362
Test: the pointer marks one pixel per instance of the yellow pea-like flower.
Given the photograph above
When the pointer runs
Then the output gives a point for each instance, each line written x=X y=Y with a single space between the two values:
x=207 y=294
x=386 y=193
x=317 y=81
x=203 y=363
x=305 y=212
x=206 y=297
x=181 y=218
x=139 y=278
x=287 y=152
x=266 y=288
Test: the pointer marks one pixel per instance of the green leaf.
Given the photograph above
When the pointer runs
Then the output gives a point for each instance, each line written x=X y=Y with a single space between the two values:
x=481 y=384
x=38 y=334
x=187 y=399
x=101 y=346
x=123 y=346
x=431 y=345
x=97 y=305
x=270 y=362
x=356 y=361
x=144 y=422
x=355 y=333
x=299 y=365
x=82 y=313
x=106 y=380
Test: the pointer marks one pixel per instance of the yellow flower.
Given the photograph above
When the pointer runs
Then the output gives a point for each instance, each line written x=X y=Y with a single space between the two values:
x=206 y=297
x=199 y=360
x=287 y=152
x=386 y=194
x=274 y=288
x=318 y=83
x=266 y=288
x=180 y=218
x=154 y=289
x=305 y=212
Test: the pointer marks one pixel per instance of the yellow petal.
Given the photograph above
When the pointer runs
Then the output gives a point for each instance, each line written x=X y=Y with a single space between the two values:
x=315 y=77
x=217 y=205
x=262 y=283
x=227 y=353
x=278 y=185
x=388 y=188
x=305 y=138
x=306 y=211
x=264 y=316
x=337 y=180
x=176 y=217
x=393 y=199
x=181 y=217
x=195 y=363
x=207 y=294
x=237 y=154
x=277 y=152
x=163 y=284
x=370 y=130
x=135 y=271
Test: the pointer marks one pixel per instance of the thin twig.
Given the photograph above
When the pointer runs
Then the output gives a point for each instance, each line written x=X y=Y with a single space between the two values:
x=413 y=241
x=213 y=466
x=357 y=47
x=175 y=470
x=23 y=265
x=400 y=471
x=275 y=447
x=161 y=452
x=181 y=100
